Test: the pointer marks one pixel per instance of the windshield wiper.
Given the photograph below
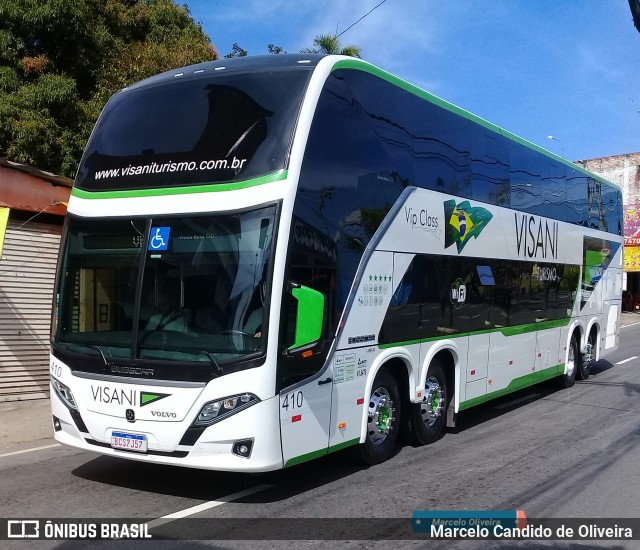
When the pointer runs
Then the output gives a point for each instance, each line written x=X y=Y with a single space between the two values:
x=241 y=138
x=106 y=363
x=213 y=362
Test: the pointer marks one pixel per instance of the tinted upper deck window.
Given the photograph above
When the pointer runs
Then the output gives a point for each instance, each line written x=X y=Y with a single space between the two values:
x=207 y=129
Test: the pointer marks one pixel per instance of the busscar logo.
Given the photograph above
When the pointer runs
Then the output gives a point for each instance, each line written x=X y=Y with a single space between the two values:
x=463 y=221
x=361 y=339
x=136 y=371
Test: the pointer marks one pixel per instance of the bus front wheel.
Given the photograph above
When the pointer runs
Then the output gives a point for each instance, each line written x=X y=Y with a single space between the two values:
x=383 y=420
x=426 y=420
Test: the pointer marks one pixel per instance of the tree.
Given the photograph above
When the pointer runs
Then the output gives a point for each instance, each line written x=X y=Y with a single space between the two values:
x=329 y=44
x=60 y=60
x=236 y=51
x=272 y=48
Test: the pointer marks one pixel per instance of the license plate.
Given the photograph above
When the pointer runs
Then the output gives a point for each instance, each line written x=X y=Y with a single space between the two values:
x=129 y=442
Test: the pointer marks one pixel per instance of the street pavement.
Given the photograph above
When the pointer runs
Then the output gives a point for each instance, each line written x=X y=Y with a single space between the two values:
x=26 y=425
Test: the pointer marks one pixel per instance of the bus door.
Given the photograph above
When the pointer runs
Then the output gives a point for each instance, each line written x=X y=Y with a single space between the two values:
x=305 y=412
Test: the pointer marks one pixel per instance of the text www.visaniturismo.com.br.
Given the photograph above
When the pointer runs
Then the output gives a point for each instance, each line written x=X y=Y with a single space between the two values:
x=169 y=167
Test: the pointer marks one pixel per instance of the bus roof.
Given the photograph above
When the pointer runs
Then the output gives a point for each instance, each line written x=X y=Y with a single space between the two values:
x=270 y=62
x=236 y=64
x=359 y=64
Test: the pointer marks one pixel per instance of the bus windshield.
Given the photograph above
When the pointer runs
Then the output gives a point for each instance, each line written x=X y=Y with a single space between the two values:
x=166 y=288
x=203 y=129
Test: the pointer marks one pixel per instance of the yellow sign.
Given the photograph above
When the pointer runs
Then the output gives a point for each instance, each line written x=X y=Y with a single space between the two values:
x=4 y=219
x=632 y=258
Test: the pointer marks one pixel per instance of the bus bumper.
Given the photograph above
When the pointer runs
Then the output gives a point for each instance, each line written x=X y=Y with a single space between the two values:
x=216 y=447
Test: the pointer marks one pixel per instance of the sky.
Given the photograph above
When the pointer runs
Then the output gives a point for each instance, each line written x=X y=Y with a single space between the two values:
x=563 y=68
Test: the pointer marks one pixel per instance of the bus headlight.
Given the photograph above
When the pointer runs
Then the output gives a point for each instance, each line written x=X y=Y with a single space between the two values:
x=64 y=393
x=214 y=411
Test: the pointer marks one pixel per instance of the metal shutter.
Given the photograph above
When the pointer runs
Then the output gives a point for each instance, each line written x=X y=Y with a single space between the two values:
x=27 y=273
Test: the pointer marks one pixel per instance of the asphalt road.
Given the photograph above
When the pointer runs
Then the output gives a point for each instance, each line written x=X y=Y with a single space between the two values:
x=550 y=452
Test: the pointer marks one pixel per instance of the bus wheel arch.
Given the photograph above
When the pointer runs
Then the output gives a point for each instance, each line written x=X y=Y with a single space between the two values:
x=427 y=419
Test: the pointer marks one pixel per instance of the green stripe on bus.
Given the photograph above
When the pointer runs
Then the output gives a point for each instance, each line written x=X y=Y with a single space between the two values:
x=506 y=331
x=532 y=327
x=184 y=190
x=321 y=452
x=411 y=88
x=515 y=385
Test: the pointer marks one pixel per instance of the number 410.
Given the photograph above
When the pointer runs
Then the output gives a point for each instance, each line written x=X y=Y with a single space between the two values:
x=293 y=400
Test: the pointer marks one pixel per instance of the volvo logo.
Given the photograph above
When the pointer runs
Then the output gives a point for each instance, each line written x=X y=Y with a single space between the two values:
x=164 y=414
x=130 y=415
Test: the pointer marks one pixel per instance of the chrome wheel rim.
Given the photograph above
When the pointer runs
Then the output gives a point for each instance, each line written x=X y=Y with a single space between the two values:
x=381 y=416
x=432 y=404
x=588 y=355
x=571 y=359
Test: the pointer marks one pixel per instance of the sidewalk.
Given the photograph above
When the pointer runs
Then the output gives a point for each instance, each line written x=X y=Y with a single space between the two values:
x=629 y=318
x=25 y=424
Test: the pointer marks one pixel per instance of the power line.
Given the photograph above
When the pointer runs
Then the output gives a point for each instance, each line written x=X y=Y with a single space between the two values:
x=358 y=21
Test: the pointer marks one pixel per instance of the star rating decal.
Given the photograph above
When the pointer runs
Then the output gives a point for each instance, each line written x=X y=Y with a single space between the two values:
x=381 y=278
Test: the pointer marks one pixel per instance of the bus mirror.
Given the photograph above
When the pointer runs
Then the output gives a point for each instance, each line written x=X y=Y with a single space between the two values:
x=310 y=318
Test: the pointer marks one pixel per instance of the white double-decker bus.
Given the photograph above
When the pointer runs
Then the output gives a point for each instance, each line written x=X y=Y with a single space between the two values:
x=269 y=259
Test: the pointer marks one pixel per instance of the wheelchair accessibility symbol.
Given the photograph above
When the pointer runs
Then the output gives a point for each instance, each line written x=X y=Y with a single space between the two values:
x=159 y=238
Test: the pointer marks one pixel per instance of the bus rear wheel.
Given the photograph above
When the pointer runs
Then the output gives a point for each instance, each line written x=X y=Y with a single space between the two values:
x=383 y=420
x=426 y=420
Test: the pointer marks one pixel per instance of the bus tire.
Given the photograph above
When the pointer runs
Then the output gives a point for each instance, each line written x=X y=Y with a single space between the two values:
x=383 y=420
x=586 y=359
x=573 y=359
x=426 y=420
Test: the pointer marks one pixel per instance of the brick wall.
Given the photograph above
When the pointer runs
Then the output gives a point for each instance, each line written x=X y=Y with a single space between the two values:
x=623 y=170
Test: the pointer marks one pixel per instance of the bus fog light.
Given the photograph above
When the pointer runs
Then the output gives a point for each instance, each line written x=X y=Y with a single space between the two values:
x=214 y=411
x=243 y=448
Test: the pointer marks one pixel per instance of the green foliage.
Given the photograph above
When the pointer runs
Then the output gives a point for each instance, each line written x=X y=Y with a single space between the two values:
x=236 y=51
x=329 y=44
x=273 y=49
x=60 y=61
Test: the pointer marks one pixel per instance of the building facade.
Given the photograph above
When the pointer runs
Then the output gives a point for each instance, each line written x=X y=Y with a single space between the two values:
x=624 y=170
x=33 y=204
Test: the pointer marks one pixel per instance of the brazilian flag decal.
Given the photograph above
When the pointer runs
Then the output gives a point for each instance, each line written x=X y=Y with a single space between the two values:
x=463 y=222
x=147 y=398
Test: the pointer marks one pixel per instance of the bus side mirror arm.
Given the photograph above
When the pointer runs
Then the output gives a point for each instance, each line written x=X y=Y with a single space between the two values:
x=311 y=320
